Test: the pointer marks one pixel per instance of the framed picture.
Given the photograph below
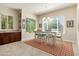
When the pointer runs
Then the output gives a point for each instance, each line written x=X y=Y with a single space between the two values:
x=23 y=20
x=23 y=26
x=70 y=23
x=40 y=25
x=23 y=23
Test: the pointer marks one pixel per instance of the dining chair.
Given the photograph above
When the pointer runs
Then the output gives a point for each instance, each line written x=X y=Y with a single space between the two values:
x=59 y=36
x=51 y=38
x=37 y=36
x=59 y=39
x=40 y=37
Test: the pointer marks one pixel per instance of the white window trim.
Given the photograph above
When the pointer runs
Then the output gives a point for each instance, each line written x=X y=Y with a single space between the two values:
x=64 y=25
x=0 y=22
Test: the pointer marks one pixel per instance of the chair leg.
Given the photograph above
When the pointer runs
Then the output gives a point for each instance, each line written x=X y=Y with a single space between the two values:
x=44 y=40
x=35 y=38
x=47 y=40
x=62 y=43
x=54 y=41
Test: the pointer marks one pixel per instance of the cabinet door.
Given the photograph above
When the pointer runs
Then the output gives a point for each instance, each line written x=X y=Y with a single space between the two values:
x=1 y=40
x=17 y=36
x=6 y=39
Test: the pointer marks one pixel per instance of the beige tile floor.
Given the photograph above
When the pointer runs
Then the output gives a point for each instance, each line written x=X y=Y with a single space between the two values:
x=76 y=49
x=20 y=49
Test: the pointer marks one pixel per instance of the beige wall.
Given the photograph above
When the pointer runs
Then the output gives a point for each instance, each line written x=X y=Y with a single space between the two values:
x=77 y=30
x=8 y=11
x=70 y=14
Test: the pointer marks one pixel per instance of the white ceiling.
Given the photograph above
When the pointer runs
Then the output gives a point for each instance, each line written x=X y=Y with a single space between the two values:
x=37 y=8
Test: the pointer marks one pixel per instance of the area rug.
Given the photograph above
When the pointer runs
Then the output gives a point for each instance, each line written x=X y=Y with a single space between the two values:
x=58 y=49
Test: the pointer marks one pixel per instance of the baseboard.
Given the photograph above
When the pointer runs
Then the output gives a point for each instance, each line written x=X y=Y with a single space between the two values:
x=57 y=39
x=68 y=40
x=26 y=39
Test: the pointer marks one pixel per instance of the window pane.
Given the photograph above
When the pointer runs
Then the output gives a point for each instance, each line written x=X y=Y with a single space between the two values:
x=3 y=22
x=60 y=23
x=27 y=25
x=52 y=24
x=10 y=22
x=45 y=24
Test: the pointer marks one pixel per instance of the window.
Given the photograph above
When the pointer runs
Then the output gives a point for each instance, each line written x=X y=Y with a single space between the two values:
x=45 y=24
x=3 y=22
x=55 y=24
x=52 y=24
x=61 y=24
x=10 y=22
x=30 y=25
x=6 y=22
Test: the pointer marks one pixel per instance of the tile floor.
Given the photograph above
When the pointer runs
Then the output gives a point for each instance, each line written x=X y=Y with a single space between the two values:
x=20 y=49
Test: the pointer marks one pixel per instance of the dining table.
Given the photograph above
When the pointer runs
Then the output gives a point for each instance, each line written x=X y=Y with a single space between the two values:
x=47 y=37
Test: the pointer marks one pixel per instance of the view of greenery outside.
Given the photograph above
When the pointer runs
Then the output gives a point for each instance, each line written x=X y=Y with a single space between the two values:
x=10 y=22
x=6 y=21
x=52 y=24
x=55 y=24
x=30 y=25
x=3 y=22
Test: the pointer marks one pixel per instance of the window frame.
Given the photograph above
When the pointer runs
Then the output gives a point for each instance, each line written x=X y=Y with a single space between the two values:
x=29 y=20
x=6 y=23
x=47 y=18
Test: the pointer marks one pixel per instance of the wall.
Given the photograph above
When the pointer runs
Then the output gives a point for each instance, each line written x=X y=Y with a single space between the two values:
x=25 y=35
x=8 y=11
x=77 y=26
x=70 y=14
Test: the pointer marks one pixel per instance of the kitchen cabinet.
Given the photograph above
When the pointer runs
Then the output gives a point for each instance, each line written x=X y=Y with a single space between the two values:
x=9 y=37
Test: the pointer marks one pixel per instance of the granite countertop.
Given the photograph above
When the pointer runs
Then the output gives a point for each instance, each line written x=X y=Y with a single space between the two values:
x=10 y=31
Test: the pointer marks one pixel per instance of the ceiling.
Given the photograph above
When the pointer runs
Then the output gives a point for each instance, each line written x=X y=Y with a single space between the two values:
x=37 y=8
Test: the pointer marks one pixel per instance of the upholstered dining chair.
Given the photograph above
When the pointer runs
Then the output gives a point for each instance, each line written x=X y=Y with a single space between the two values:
x=59 y=39
x=50 y=38
x=40 y=36
x=43 y=37
x=37 y=36
x=59 y=36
